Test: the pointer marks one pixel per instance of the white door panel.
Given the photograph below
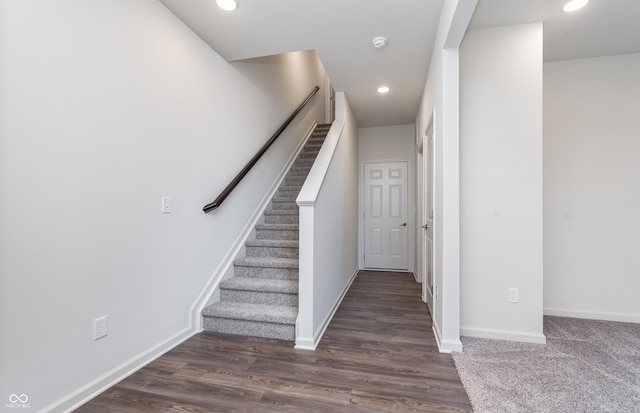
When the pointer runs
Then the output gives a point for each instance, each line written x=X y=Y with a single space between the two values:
x=386 y=234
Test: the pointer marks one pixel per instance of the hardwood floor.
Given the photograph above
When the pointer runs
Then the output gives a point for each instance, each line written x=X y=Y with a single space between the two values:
x=377 y=355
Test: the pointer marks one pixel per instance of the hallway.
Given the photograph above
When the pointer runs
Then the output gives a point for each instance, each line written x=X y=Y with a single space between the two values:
x=378 y=354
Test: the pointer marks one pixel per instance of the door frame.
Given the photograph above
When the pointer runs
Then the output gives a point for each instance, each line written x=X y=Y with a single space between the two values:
x=330 y=100
x=411 y=208
x=428 y=197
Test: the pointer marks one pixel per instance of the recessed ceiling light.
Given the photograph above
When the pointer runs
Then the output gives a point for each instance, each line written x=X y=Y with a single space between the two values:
x=228 y=5
x=383 y=89
x=379 y=42
x=574 y=5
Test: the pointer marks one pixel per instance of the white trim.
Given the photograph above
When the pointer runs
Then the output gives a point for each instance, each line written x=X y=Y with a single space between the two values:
x=450 y=346
x=87 y=392
x=445 y=346
x=593 y=315
x=411 y=212
x=306 y=343
x=436 y=333
x=509 y=335
x=195 y=312
x=388 y=270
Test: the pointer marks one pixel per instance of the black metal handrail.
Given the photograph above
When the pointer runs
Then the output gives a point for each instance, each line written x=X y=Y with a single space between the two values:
x=225 y=193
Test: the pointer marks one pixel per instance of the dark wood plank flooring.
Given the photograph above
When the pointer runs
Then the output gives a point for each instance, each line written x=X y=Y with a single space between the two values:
x=377 y=355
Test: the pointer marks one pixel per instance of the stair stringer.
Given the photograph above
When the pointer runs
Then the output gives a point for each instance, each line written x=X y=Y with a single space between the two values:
x=211 y=292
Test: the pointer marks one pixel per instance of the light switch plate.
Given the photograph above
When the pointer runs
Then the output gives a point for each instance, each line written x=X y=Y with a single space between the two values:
x=166 y=205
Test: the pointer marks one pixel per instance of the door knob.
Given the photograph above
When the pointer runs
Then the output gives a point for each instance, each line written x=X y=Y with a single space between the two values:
x=426 y=226
x=404 y=224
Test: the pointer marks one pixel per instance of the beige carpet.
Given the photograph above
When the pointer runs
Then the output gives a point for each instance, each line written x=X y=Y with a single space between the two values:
x=586 y=366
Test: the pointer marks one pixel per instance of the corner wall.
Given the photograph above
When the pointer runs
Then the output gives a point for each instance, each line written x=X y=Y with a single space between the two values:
x=501 y=182
x=106 y=107
x=441 y=93
x=591 y=192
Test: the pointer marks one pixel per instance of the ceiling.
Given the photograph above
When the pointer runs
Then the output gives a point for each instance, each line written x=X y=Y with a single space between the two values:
x=341 y=32
x=602 y=28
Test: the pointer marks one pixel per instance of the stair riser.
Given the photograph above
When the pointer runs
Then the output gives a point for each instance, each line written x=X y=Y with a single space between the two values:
x=303 y=163
x=291 y=189
x=288 y=194
x=281 y=234
x=259 y=297
x=299 y=171
x=250 y=328
x=292 y=186
x=268 y=273
x=284 y=205
x=281 y=219
x=294 y=181
x=307 y=155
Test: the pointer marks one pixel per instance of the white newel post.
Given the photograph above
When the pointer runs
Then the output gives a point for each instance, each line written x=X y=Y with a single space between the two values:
x=304 y=324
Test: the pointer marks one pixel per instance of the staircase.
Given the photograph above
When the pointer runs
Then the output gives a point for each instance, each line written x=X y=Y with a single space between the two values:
x=261 y=299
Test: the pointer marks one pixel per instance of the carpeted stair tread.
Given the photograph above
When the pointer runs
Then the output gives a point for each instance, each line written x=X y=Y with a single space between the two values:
x=276 y=243
x=285 y=227
x=289 y=187
x=281 y=212
x=284 y=199
x=255 y=312
x=267 y=262
x=263 y=285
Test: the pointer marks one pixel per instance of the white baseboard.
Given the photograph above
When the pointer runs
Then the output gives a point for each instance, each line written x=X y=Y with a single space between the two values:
x=446 y=345
x=450 y=346
x=87 y=392
x=593 y=315
x=225 y=265
x=509 y=335
x=311 y=343
x=305 y=343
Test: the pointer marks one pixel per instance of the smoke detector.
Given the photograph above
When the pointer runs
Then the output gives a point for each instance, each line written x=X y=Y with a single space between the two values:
x=379 y=42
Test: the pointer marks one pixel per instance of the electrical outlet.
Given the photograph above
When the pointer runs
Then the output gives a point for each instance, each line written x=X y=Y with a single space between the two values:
x=513 y=295
x=435 y=291
x=99 y=328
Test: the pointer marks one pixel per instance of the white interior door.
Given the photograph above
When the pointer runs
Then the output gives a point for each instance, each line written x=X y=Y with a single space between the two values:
x=427 y=218
x=386 y=235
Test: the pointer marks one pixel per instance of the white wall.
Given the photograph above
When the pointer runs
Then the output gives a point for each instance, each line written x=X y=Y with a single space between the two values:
x=107 y=106
x=501 y=182
x=328 y=227
x=591 y=191
x=383 y=144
